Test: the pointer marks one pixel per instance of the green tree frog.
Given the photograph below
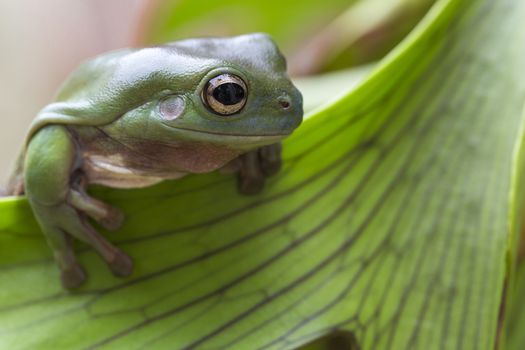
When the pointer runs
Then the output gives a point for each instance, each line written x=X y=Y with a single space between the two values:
x=134 y=117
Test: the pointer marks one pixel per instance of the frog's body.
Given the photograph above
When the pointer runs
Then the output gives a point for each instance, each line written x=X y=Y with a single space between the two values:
x=132 y=118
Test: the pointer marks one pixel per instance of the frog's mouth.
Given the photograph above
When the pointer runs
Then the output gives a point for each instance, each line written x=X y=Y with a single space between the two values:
x=223 y=137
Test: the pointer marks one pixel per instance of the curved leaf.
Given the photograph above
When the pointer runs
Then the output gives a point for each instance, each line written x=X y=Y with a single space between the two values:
x=394 y=218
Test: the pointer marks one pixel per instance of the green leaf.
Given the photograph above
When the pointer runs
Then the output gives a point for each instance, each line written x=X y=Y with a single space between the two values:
x=284 y=20
x=395 y=218
x=516 y=318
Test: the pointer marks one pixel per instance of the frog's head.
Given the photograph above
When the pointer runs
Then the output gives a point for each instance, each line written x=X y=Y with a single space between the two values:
x=225 y=90
x=243 y=89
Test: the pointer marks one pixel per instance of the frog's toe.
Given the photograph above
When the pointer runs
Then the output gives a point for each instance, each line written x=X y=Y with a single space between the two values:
x=251 y=177
x=121 y=265
x=270 y=158
x=73 y=276
x=113 y=220
x=109 y=217
x=71 y=273
x=250 y=186
x=256 y=166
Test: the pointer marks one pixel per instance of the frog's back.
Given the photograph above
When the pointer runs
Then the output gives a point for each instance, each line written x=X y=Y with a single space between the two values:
x=89 y=74
x=106 y=87
x=75 y=102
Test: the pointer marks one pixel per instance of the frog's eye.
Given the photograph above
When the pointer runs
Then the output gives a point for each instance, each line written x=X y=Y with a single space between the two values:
x=225 y=94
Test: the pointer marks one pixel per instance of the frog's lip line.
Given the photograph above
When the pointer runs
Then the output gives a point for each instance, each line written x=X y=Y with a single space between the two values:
x=236 y=135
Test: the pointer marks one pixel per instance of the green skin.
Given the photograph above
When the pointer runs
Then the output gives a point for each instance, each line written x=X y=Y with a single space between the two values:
x=107 y=127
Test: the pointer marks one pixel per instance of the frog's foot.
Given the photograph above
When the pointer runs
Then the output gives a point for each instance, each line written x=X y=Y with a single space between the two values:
x=119 y=263
x=270 y=158
x=106 y=215
x=71 y=273
x=72 y=276
x=68 y=222
x=256 y=166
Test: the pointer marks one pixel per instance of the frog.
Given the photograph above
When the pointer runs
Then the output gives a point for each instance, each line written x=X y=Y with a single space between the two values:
x=133 y=117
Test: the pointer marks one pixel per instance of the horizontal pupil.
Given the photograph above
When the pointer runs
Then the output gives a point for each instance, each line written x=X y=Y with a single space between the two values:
x=229 y=93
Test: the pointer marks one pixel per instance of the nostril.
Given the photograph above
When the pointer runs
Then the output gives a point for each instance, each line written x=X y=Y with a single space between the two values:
x=284 y=102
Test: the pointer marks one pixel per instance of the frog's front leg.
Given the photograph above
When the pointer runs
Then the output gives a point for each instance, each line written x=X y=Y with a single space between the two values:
x=256 y=166
x=61 y=206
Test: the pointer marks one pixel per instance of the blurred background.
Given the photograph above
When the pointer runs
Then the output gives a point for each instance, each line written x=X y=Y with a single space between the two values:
x=42 y=41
